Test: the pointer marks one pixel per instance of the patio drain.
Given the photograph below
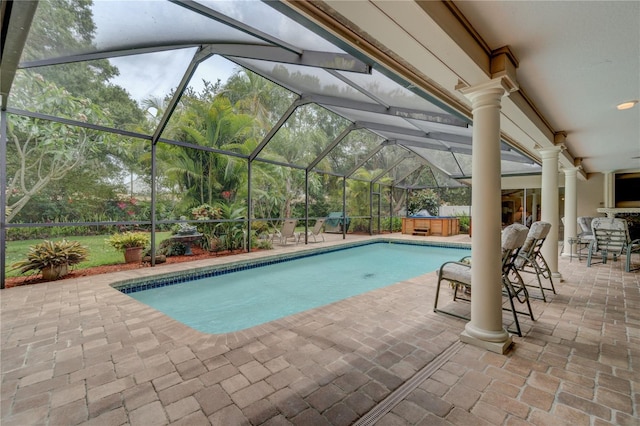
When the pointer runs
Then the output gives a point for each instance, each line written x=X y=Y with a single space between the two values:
x=386 y=405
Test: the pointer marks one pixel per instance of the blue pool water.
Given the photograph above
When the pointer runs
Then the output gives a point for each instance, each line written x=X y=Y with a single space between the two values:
x=246 y=298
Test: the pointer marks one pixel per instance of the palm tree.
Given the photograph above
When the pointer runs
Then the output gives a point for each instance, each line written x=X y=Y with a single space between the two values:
x=216 y=125
x=257 y=97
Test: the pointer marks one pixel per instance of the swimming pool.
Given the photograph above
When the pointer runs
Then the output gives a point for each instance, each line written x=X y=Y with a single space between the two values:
x=242 y=296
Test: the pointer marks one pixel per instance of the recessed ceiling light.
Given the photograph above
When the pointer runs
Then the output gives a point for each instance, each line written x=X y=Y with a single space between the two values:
x=627 y=105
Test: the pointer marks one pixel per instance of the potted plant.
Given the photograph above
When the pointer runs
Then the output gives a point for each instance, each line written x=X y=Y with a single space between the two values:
x=52 y=258
x=130 y=243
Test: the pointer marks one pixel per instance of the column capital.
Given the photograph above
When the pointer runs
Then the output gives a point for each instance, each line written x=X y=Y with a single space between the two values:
x=570 y=171
x=496 y=86
x=550 y=152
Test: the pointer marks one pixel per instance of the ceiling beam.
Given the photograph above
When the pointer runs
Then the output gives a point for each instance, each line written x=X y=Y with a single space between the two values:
x=416 y=114
x=506 y=154
x=392 y=129
x=107 y=54
x=310 y=58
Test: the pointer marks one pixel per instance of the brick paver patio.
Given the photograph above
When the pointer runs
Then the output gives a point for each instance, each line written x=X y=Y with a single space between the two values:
x=79 y=352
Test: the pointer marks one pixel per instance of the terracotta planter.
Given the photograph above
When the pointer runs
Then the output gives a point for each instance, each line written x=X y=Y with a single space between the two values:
x=133 y=254
x=54 y=272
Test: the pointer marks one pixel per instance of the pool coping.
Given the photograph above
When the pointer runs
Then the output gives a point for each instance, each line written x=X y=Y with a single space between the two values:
x=133 y=285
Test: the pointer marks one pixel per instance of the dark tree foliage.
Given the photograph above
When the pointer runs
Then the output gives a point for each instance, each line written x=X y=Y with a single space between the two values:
x=425 y=199
x=455 y=196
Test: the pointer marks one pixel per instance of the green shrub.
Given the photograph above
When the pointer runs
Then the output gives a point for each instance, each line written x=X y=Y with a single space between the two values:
x=52 y=253
x=170 y=248
x=359 y=225
x=264 y=244
x=465 y=221
x=260 y=227
x=396 y=224
x=128 y=240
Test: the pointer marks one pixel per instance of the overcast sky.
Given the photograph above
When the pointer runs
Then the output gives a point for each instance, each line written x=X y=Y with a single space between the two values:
x=135 y=23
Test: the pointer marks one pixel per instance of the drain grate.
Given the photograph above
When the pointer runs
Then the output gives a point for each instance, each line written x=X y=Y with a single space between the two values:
x=387 y=404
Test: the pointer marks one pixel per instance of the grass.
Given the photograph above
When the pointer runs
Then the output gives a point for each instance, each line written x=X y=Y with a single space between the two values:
x=99 y=252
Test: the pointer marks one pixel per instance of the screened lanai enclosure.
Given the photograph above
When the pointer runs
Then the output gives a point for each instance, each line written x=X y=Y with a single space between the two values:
x=229 y=116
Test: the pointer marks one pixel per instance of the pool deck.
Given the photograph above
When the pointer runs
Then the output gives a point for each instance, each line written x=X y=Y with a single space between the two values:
x=79 y=352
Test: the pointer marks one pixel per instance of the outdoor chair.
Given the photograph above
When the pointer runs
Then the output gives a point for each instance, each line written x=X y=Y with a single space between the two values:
x=611 y=236
x=287 y=231
x=584 y=226
x=317 y=230
x=530 y=259
x=585 y=234
x=458 y=274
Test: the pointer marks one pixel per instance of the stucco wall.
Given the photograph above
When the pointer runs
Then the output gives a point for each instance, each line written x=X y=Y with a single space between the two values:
x=529 y=182
x=590 y=194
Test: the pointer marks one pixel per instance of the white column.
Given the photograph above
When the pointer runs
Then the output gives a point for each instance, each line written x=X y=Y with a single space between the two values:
x=550 y=211
x=609 y=200
x=534 y=206
x=570 y=209
x=485 y=328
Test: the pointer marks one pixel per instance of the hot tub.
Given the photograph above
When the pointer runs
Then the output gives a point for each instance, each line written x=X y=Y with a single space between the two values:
x=432 y=225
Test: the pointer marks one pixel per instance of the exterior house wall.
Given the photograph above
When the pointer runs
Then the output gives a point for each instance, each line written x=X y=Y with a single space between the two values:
x=521 y=182
x=590 y=193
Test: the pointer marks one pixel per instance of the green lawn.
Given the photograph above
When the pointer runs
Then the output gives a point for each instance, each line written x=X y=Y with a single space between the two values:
x=99 y=252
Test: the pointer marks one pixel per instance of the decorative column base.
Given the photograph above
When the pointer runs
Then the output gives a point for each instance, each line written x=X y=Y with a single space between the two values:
x=497 y=347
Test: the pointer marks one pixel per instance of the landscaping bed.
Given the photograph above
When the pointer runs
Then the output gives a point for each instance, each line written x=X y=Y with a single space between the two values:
x=198 y=254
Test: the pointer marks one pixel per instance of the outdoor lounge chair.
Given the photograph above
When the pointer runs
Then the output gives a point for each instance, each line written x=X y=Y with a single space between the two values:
x=530 y=258
x=611 y=236
x=287 y=232
x=458 y=274
x=317 y=230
